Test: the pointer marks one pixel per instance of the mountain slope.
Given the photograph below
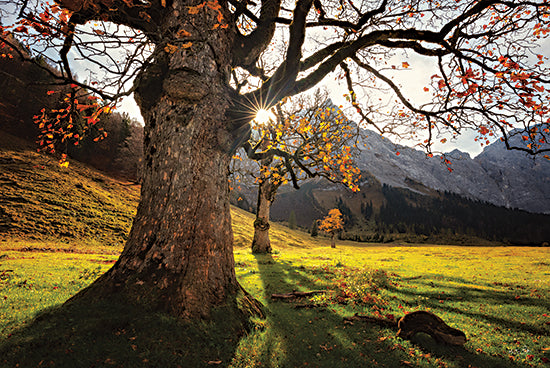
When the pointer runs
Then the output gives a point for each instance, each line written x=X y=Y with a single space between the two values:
x=38 y=198
x=501 y=177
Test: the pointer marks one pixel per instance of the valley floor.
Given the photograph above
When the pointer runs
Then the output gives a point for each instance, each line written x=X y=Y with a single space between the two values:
x=498 y=296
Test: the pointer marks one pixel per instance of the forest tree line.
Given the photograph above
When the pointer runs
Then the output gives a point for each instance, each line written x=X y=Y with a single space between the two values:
x=448 y=215
x=25 y=89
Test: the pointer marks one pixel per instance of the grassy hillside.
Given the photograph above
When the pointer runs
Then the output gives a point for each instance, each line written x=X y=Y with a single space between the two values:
x=55 y=245
x=39 y=199
x=75 y=204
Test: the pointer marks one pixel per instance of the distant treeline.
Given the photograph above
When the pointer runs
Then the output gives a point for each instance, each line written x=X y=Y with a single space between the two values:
x=24 y=92
x=449 y=215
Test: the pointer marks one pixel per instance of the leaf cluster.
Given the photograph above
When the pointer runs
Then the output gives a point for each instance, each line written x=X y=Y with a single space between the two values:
x=310 y=138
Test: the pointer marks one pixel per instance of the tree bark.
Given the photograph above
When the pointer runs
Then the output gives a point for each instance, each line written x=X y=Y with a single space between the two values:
x=260 y=242
x=179 y=254
x=332 y=241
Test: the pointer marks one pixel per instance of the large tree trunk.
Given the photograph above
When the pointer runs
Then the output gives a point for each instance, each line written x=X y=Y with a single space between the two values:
x=261 y=243
x=179 y=254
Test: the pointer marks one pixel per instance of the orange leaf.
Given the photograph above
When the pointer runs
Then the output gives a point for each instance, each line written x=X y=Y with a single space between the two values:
x=195 y=9
x=169 y=48
x=183 y=33
x=405 y=64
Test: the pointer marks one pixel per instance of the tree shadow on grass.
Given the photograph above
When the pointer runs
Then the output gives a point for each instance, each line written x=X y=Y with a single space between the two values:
x=476 y=296
x=492 y=327
x=114 y=334
x=318 y=337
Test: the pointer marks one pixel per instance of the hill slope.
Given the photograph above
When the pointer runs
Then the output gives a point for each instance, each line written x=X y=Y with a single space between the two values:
x=40 y=199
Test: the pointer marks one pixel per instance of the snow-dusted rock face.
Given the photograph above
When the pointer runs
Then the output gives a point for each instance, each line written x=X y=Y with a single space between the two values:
x=498 y=176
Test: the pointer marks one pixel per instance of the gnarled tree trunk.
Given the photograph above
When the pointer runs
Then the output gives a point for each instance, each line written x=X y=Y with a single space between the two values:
x=261 y=243
x=179 y=254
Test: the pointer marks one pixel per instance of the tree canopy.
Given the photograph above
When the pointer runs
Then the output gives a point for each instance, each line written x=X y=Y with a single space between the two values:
x=490 y=71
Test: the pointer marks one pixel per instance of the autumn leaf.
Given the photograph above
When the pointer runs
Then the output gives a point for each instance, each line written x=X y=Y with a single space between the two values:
x=195 y=9
x=183 y=33
x=405 y=64
x=170 y=49
x=483 y=130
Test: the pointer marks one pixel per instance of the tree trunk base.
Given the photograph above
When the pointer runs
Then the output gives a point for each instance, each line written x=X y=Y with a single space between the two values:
x=236 y=310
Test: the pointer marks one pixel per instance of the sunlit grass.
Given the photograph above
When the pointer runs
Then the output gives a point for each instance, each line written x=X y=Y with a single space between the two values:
x=498 y=296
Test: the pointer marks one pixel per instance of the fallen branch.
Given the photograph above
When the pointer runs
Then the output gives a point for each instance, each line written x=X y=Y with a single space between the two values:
x=379 y=321
x=296 y=294
x=308 y=306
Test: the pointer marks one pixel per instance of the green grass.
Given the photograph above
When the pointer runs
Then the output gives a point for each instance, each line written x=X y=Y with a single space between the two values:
x=58 y=244
x=498 y=296
x=41 y=200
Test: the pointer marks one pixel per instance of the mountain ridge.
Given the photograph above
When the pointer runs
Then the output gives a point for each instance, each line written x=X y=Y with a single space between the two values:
x=504 y=178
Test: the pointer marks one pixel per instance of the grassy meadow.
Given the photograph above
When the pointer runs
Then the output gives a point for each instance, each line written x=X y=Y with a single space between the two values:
x=56 y=244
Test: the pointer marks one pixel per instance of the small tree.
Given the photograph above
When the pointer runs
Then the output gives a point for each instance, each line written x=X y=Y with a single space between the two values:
x=310 y=138
x=332 y=224
x=292 y=220
x=314 y=228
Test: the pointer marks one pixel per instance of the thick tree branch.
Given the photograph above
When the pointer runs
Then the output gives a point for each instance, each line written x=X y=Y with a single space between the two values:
x=143 y=16
x=247 y=49
x=415 y=46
